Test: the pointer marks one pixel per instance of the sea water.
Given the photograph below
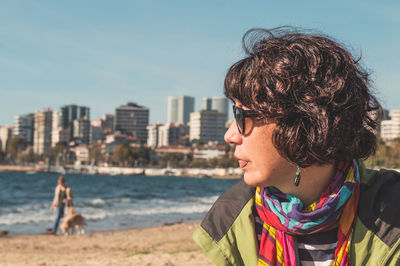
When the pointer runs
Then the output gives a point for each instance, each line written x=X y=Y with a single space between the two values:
x=106 y=202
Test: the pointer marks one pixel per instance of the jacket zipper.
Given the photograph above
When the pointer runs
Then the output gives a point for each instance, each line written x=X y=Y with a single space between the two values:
x=296 y=250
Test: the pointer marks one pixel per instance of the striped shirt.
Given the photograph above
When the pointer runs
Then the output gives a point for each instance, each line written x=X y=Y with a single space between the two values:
x=316 y=249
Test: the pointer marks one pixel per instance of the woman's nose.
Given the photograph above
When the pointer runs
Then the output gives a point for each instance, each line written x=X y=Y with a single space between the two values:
x=232 y=135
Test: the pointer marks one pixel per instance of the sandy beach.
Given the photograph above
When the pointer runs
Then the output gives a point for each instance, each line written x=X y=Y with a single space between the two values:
x=165 y=245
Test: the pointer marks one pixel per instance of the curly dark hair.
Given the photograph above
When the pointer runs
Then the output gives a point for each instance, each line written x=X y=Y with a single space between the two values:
x=313 y=89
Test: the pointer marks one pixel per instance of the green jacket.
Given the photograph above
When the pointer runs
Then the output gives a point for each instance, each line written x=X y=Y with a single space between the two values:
x=228 y=237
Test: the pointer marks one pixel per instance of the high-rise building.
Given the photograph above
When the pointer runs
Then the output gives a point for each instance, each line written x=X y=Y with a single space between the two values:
x=385 y=114
x=207 y=125
x=218 y=103
x=42 y=131
x=59 y=135
x=132 y=120
x=179 y=109
x=96 y=134
x=24 y=127
x=71 y=112
x=56 y=129
x=5 y=137
x=82 y=130
x=206 y=104
x=390 y=129
x=172 y=109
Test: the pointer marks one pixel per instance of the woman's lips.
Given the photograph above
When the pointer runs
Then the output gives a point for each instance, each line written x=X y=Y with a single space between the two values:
x=242 y=164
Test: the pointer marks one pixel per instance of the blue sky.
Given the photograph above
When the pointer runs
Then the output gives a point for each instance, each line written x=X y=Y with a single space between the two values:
x=103 y=54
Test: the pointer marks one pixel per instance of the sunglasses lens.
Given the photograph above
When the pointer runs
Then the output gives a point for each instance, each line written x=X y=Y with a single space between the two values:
x=238 y=118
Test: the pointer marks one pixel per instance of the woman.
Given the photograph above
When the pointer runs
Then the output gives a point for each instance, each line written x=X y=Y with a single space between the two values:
x=62 y=195
x=304 y=120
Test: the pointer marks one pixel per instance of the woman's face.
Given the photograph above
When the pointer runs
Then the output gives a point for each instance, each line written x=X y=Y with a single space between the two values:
x=259 y=159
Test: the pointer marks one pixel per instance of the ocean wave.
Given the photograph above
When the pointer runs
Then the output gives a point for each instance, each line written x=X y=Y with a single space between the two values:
x=97 y=203
x=102 y=214
x=44 y=215
x=121 y=200
x=207 y=200
x=100 y=209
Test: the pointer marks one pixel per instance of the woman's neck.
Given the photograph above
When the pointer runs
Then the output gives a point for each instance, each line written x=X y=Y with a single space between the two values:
x=314 y=181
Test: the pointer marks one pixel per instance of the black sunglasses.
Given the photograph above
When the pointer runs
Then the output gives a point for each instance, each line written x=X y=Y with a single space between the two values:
x=240 y=117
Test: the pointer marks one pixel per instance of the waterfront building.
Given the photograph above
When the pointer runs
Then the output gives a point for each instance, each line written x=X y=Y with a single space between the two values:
x=42 y=131
x=160 y=135
x=132 y=120
x=173 y=134
x=162 y=150
x=81 y=132
x=209 y=151
x=101 y=127
x=113 y=140
x=24 y=127
x=81 y=153
x=108 y=123
x=152 y=135
x=179 y=109
x=218 y=103
x=71 y=112
x=390 y=129
x=5 y=137
x=207 y=125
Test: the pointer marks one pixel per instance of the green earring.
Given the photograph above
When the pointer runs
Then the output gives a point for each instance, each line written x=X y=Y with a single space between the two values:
x=297 y=177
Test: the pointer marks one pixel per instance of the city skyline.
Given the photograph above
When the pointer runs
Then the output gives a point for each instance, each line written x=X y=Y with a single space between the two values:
x=102 y=54
x=61 y=108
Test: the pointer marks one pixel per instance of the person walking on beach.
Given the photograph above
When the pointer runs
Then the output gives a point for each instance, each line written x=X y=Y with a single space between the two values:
x=62 y=195
x=304 y=121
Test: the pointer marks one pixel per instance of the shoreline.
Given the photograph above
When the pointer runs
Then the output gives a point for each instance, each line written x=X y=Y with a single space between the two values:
x=178 y=222
x=178 y=172
x=17 y=168
x=160 y=245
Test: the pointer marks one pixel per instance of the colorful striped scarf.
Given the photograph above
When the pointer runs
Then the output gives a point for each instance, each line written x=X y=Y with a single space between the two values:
x=284 y=217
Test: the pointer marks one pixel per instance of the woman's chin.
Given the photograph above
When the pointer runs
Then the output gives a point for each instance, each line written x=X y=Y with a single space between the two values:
x=252 y=179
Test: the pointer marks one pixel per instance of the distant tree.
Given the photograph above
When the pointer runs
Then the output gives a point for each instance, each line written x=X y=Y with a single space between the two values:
x=142 y=155
x=59 y=153
x=199 y=142
x=125 y=155
x=29 y=157
x=189 y=156
x=17 y=145
x=96 y=155
x=227 y=148
x=172 y=159
x=386 y=155
x=226 y=162
x=122 y=155
x=199 y=163
x=396 y=140
x=2 y=156
x=213 y=162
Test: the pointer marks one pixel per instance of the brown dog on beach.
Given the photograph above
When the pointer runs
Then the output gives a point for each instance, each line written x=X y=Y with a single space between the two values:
x=73 y=221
